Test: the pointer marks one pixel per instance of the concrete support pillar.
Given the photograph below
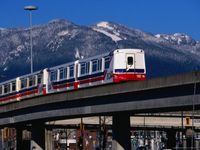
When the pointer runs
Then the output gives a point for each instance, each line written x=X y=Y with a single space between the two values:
x=190 y=141
x=48 y=140
x=37 y=137
x=171 y=139
x=20 y=144
x=121 y=132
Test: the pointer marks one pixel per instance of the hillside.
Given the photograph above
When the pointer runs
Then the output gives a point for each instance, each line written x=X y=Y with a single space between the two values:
x=61 y=41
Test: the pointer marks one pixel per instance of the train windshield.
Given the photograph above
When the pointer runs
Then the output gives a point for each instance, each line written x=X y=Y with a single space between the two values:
x=130 y=61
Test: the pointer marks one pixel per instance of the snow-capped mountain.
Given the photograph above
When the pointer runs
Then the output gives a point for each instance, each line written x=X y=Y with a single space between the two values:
x=62 y=41
x=177 y=39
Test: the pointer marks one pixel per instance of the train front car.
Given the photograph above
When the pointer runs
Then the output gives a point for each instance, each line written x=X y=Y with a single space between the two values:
x=128 y=64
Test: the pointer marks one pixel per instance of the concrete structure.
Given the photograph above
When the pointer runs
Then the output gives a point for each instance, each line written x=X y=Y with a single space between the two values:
x=121 y=131
x=155 y=95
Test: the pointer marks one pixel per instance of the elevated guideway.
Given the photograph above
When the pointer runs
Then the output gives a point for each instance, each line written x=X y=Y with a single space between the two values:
x=165 y=94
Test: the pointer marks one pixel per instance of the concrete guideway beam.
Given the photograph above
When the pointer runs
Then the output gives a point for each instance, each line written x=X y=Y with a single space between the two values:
x=105 y=90
x=161 y=93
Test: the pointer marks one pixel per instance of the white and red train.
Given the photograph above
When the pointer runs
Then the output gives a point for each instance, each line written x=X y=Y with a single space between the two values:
x=116 y=66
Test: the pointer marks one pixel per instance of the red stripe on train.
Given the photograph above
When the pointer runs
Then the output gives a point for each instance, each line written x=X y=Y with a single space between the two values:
x=91 y=80
x=63 y=85
x=75 y=84
x=128 y=77
x=19 y=95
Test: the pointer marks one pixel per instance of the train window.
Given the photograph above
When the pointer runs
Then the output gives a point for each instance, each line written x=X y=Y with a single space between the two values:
x=39 y=78
x=100 y=64
x=23 y=83
x=53 y=75
x=63 y=73
x=94 y=65
x=32 y=81
x=13 y=85
x=107 y=62
x=71 y=71
x=130 y=60
x=7 y=88
x=61 y=76
x=85 y=68
x=1 y=90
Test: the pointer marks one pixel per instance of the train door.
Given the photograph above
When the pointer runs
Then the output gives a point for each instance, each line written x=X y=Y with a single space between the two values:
x=130 y=62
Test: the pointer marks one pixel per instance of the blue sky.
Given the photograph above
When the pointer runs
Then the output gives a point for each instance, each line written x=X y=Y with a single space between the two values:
x=156 y=16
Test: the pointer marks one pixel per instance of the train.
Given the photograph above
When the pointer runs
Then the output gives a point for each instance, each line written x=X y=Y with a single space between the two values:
x=113 y=67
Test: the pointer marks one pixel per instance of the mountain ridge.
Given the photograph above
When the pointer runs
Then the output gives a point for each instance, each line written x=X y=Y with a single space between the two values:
x=60 y=41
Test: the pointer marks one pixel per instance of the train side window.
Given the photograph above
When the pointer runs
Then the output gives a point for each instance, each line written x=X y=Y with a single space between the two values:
x=100 y=64
x=130 y=60
x=85 y=68
x=32 y=81
x=1 y=92
x=71 y=71
x=53 y=75
x=23 y=83
x=61 y=73
x=65 y=73
x=13 y=86
x=7 y=88
x=39 y=78
x=94 y=65
x=107 y=62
